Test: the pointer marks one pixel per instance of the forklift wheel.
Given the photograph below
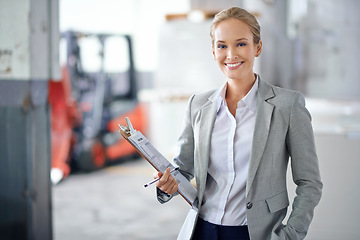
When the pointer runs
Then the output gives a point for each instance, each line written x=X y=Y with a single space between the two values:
x=93 y=158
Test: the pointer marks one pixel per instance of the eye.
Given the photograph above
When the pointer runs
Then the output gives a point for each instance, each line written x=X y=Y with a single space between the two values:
x=241 y=44
x=221 y=46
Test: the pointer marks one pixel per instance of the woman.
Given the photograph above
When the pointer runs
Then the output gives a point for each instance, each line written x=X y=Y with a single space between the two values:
x=237 y=141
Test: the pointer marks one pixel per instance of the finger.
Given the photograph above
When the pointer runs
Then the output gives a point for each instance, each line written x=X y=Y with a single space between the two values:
x=173 y=189
x=169 y=185
x=157 y=175
x=165 y=177
x=166 y=174
x=162 y=181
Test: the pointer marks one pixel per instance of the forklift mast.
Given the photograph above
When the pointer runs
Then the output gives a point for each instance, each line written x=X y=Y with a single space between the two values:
x=103 y=98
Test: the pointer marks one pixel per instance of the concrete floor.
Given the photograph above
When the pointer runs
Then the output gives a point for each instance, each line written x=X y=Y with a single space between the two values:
x=113 y=204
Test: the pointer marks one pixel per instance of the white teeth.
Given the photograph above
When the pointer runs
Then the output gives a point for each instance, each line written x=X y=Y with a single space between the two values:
x=233 y=65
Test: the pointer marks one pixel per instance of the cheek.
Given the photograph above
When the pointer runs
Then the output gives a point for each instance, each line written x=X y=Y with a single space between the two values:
x=219 y=56
x=249 y=54
x=253 y=52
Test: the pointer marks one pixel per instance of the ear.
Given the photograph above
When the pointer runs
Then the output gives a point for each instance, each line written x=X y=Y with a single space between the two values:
x=213 y=52
x=258 y=49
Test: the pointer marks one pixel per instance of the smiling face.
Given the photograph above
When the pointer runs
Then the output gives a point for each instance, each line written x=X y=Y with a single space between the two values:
x=234 y=49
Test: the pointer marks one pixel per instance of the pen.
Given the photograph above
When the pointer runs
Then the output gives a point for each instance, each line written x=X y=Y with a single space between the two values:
x=155 y=180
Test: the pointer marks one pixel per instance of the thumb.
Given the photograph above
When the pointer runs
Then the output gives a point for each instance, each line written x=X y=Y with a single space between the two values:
x=157 y=175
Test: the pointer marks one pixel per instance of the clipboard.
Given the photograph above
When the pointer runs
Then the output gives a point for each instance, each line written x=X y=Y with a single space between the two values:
x=157 y=160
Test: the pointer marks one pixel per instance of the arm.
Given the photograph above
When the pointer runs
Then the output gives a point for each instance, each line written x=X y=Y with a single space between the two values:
x=305 y=170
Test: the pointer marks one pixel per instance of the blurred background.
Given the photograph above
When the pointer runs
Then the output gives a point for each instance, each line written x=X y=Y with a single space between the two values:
x=71 y=71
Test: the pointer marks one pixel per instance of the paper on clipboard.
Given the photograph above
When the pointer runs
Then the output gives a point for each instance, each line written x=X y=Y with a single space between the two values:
x=157 y=160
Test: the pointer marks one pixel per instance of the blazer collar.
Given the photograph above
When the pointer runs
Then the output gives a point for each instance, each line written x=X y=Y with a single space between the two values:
x=265 y=91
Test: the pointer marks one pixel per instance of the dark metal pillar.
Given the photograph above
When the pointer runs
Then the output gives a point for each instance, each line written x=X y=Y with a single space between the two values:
x=25 y=191
x=26 y=64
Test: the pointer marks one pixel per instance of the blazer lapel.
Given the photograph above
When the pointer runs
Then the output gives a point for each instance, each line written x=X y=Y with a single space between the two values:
x=261 y=132
x=206 y=122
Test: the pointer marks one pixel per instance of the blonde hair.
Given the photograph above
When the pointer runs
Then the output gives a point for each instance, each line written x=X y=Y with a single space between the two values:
x=239 y=14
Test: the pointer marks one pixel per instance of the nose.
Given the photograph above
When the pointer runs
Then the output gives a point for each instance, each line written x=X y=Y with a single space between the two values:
x=232 y=54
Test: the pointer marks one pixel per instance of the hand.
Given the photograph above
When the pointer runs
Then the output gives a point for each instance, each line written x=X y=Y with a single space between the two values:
x=167 y=182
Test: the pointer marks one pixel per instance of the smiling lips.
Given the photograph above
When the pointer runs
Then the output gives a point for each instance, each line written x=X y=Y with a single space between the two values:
x=233 y=66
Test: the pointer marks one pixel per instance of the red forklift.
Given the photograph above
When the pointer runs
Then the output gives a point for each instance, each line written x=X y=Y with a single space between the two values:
x=89 y=102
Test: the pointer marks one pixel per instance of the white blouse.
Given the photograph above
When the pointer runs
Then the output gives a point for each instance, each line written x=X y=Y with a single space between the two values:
x=231 y=142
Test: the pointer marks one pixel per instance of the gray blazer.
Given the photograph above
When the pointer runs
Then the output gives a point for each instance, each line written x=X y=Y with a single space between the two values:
x=282 y=130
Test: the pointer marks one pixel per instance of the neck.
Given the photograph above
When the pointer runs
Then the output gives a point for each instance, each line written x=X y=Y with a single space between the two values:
x=238 y=88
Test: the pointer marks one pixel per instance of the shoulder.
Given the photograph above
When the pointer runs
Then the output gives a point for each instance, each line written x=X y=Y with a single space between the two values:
x=198 y=100
x=289 y=105
x=204 y=96
x=285 y=97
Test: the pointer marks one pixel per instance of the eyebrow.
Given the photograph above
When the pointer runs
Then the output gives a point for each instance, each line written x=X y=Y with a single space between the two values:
x=237 y=40
x=241 y=39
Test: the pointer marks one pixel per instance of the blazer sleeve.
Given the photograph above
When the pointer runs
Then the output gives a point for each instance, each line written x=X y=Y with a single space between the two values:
x=305 y=170
x=185 y=155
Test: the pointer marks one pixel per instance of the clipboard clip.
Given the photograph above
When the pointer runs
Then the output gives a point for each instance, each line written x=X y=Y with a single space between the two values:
x=129 y=129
